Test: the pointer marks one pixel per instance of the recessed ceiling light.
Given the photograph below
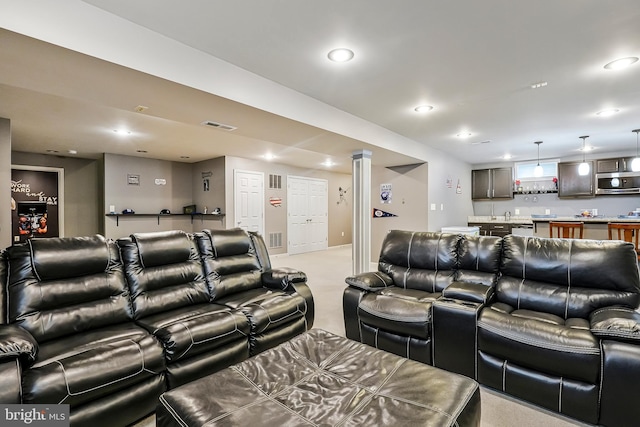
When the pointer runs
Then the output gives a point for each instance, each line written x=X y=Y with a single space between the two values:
x=538 y=85
x=587 y=148
x=123 y=132
x=185 y=157
x=621 y=63
x=423 y=108
x=73 y=152
x=269 y=156
x=464 y=135
x=340 y=55
x=141 y=151
x=328 y=163
x=507 y=156
x=52 y=151
x=608 y=112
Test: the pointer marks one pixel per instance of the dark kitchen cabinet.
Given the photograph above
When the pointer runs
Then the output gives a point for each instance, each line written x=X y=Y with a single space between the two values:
x=490 y=184
x=572 y=184
x=492 y=228
x=618 y=164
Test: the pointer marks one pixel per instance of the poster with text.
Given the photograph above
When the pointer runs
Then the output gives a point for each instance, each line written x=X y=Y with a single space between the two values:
x=34 y=204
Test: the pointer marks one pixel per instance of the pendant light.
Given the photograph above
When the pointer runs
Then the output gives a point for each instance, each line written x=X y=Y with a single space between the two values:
x=537 y=172
x=584 y=167
x=635 y=163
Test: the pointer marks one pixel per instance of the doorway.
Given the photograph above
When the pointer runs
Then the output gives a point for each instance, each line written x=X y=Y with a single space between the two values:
x=307 y=214
x=248 y=200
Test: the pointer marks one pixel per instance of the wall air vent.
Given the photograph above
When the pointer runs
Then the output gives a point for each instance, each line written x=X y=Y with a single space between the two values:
x=481 y=142
x=220 y=126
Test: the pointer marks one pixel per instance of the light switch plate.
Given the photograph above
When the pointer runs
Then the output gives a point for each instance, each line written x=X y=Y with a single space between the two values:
x=433 y=206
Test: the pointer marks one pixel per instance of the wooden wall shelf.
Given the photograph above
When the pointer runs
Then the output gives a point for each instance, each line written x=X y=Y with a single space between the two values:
x=217 y=217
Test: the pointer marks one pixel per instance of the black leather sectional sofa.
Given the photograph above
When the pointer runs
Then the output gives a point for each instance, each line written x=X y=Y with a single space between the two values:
x=107 y=326
x=550 y=321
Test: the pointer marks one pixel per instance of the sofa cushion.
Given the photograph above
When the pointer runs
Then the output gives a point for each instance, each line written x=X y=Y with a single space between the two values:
x=191 y=330
x=267 y=309
x=558 y=275
x=540 y=341
x=162 y=248
x=419 y=260
x=158 y=287
x=64 y=286
x=479 y=260
x=230 y=261
x=404 y=312
x=88 y=366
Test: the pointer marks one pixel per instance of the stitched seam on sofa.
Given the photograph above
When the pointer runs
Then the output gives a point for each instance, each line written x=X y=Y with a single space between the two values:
x=360 y=295
x=560 y=396
x=533 y=342
x=69 y=393
x=172 y=411
x=504 y=376
x=408 y=341
x=375 y=338
x=618 y=334
x=396 y=318
x=566 y=306
x=607 y=309
x=32 y=262
x=601 y=375
x=409 y=250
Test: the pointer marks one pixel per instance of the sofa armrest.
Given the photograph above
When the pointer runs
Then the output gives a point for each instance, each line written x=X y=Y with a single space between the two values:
x=616 y=323
x=370 y=282
x=472 y=292
x=282 y=278
x=15 y=342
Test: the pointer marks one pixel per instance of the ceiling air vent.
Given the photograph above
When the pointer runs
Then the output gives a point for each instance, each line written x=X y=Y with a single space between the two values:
x=220 y=126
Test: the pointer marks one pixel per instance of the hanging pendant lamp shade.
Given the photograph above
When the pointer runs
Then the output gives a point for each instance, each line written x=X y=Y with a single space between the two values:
x=537 y=172
x=584 y=168
x=635 y=163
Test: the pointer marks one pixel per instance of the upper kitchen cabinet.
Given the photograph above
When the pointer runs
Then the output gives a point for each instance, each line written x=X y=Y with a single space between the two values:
x=618 y=164
x=571 y=183
x=491 y=184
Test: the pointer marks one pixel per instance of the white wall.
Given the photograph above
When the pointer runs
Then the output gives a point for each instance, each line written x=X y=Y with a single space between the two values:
x=148 y=197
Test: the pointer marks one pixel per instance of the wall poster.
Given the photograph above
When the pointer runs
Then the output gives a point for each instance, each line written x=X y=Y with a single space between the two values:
x=36 y=202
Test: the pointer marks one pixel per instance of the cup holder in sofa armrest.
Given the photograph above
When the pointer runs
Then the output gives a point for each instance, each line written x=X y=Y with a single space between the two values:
x=281 y=278
x=370 y=281
x=17 y=342
x=616 y=323
x=473 y=292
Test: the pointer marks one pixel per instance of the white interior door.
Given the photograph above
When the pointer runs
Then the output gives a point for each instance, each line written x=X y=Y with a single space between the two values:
x=249 y=200
x=307 y=226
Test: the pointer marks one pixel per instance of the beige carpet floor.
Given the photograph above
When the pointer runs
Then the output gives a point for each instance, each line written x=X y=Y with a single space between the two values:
x=326 y=271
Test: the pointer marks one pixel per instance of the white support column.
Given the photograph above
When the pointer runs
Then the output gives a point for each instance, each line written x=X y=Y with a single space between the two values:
x=5 y=176
x=361 y=211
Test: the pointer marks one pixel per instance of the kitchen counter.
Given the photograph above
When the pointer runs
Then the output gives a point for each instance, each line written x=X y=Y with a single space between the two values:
x=499 y=219
x=586 y=219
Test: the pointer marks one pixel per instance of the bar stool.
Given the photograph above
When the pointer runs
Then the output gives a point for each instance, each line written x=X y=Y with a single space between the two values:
x=566 y=230
x=629 y=232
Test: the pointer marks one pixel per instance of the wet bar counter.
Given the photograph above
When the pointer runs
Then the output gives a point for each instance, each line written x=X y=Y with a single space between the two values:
x=594 y=227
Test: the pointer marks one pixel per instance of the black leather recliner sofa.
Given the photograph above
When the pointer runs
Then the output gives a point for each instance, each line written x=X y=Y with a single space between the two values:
x=107 y=326
x=550 y=321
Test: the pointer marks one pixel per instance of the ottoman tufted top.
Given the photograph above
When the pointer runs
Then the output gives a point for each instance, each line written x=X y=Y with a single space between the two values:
x=318 y=378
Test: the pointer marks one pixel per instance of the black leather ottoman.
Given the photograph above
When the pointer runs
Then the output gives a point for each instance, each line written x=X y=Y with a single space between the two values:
x=318 y=378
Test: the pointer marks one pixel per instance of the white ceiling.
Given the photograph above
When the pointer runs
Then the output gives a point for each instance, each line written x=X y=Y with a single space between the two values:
x=474 y=61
